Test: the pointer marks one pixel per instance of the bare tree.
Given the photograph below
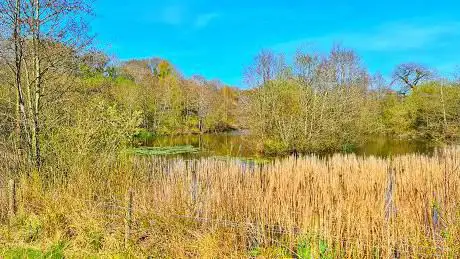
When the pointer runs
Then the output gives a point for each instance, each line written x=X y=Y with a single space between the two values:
x=306 y=65
x=96 y=61
x=267 y=65
x=379 y=86
x=410 y=75
x=11 y=53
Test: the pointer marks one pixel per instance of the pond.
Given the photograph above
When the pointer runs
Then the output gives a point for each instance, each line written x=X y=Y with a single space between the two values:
x=237 y=144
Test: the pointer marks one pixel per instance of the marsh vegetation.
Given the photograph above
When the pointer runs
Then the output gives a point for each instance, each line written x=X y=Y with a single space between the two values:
x=310 y=207
x=316 y=158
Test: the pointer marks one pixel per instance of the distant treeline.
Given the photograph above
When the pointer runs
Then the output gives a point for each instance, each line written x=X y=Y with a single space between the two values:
x=61 y=100
x=313 y=103
x=170 y=103
x=330 y=102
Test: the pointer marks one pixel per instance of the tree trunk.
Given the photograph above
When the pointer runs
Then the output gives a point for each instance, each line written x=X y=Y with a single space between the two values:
x=30 y=114
x=21 y=125
x=38 y=85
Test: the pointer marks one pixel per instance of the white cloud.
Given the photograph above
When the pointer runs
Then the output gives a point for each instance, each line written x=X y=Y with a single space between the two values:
x=403 y=36
x=181 y=16
x=203 y=20
x=387 y=37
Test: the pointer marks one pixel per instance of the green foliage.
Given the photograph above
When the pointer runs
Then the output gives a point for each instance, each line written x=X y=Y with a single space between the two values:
x=254 y=252
x=430 y=112
x=314 y=104
x=30 y=228
x=144 y=135
x=396 y=115
x=274 y=147
x=327 y=104
x=171 y=104
x=320 y=109
x=309 y=248
x=91 y=125
x=97 y=128
x=20 y=253
x=54 y=252
x=348 y=148
x=304 y=249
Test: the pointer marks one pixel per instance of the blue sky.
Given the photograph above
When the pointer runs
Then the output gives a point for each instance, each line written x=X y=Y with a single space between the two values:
x=219 y=39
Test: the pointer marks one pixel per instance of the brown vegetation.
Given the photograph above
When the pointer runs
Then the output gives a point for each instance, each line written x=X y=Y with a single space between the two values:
x=340 y=206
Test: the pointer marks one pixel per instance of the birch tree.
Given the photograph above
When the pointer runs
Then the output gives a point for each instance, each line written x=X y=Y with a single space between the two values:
x=47 y=36
x=11 y=53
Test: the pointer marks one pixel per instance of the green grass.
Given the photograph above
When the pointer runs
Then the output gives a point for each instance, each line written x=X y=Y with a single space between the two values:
x=55 y=252
x=314 y=248
x=164 y=151
x=144 y=135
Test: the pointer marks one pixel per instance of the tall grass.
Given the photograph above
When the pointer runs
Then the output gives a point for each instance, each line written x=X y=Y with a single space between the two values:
x=336 y=207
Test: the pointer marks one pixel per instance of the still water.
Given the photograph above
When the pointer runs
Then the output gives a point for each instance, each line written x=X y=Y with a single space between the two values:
x=239 y=145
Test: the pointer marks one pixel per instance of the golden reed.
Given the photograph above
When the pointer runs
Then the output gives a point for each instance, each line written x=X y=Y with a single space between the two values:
x=342 y=206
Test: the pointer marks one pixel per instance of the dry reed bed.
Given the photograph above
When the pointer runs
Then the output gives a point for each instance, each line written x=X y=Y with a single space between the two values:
x=408 y=203
x=360 y=206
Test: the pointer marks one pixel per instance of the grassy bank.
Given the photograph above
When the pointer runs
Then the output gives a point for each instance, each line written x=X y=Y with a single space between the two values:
x=338 y=207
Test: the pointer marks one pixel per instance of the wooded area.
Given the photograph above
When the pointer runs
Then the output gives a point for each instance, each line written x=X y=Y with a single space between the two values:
x=57 y=91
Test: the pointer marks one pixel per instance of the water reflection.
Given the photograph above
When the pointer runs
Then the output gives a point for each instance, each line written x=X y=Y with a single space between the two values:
x=228 y=144
x=238 y=145
x=381 y=146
